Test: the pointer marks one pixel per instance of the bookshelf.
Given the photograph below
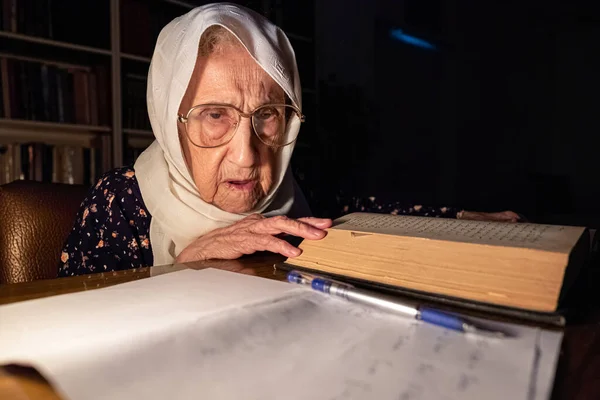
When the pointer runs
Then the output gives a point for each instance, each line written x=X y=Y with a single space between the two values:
x=107 y=55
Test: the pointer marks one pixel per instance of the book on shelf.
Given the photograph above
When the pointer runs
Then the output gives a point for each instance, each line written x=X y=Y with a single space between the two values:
x=42 y=162
x=29 y=17
x=47 y=92
x=135 y=108
x=523 y=268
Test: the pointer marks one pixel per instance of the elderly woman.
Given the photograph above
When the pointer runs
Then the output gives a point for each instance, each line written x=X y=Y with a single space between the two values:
x=224 y=100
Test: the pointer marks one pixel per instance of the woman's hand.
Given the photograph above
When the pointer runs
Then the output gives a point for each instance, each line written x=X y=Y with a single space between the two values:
x=504 y=216
x=254 y=233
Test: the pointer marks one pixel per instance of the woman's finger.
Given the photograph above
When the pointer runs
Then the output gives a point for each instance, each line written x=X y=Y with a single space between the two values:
x=321 y=223
x=281 y=224
x=257 y=242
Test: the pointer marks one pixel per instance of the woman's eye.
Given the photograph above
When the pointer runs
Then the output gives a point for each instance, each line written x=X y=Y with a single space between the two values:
x=267 y=113
x=215 y=115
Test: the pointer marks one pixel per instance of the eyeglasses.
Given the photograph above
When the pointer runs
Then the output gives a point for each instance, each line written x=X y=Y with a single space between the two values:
x=214 y=125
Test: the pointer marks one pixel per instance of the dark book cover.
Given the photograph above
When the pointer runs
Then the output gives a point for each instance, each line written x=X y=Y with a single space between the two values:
x=21 y=17
x=80 y=98
x=36 y=101
x=12 y=67
x=24 y=104
x=61 y=84
x=12 y=23
x=26 y=161
x=45 y=89
x=7 y=86
x=41 y=18
x=69 y=97
x=93 y=97
x=50 y=24
x=103 y=95
x=52 y=104
x=38 y=161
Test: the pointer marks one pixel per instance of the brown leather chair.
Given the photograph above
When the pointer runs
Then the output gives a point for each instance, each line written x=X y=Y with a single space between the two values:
x=35 y=220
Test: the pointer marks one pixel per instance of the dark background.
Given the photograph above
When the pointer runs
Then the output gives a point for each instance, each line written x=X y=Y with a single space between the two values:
x=504 y=115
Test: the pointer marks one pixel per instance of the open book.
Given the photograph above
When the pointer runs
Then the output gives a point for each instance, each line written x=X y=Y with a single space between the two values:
x=515 y=265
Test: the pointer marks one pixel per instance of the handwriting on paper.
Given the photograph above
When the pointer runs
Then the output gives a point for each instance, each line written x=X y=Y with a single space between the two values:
x=339 y=351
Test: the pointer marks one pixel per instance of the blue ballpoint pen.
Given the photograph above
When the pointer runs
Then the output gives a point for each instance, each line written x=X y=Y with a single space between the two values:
x=410 y=309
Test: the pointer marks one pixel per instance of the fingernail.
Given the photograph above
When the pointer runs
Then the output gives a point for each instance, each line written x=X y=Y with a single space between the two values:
x=295 y=252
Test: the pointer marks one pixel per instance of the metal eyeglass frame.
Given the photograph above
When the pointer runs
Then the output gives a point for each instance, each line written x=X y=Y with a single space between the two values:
x=184 y=120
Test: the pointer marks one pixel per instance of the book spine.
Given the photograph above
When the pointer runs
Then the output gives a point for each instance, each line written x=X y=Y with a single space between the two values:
x=6 y=15
x=78 y=166
x=38 y=161
x=93 y=98
x=52 y=94
x=85 y=93
x=25 y=165
x=47 y=163
x=50 y=23
x=56 y=163
x=79 y=96
x=103 y=95
x=13 y=15
x=6 y=87
x=60 y=95
x=67 y=165
x=69 y=106
x=18 y=166
x=45 y=92
x=34 y=80
x=21 y=20
x=22 y=92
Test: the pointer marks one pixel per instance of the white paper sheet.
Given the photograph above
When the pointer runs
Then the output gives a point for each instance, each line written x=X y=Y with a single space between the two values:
x=549 y=349
x=216 y=334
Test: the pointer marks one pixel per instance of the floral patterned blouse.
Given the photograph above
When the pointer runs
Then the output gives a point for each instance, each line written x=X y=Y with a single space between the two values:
x=112 y=228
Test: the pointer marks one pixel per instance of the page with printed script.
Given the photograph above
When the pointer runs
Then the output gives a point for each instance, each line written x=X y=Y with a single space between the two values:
x=532 y=236
x=215 y=334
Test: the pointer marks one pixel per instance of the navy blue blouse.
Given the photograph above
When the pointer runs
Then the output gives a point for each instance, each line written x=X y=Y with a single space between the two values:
x=111 y=230
x=112 y=227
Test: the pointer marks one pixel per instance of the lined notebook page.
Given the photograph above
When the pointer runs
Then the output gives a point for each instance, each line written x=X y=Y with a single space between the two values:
x=214 y=334
x=534 y=236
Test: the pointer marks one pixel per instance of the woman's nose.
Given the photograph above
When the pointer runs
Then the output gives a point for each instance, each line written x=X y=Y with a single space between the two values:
x=242 y=148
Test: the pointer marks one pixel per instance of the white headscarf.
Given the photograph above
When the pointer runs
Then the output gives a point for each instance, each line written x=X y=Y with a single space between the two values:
x=179 y=215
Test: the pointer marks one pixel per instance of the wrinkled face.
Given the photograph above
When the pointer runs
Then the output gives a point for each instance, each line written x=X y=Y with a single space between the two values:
x=237 y=175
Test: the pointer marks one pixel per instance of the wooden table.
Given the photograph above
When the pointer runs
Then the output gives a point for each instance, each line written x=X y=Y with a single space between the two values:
x=578 y=373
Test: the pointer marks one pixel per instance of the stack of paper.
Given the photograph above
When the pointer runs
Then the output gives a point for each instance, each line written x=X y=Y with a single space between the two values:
x=215 y=334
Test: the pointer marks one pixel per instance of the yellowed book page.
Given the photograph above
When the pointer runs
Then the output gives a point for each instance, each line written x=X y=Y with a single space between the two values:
x=531 y=236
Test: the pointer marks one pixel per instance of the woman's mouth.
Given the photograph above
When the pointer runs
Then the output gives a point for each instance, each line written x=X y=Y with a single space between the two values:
x=244 y=185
